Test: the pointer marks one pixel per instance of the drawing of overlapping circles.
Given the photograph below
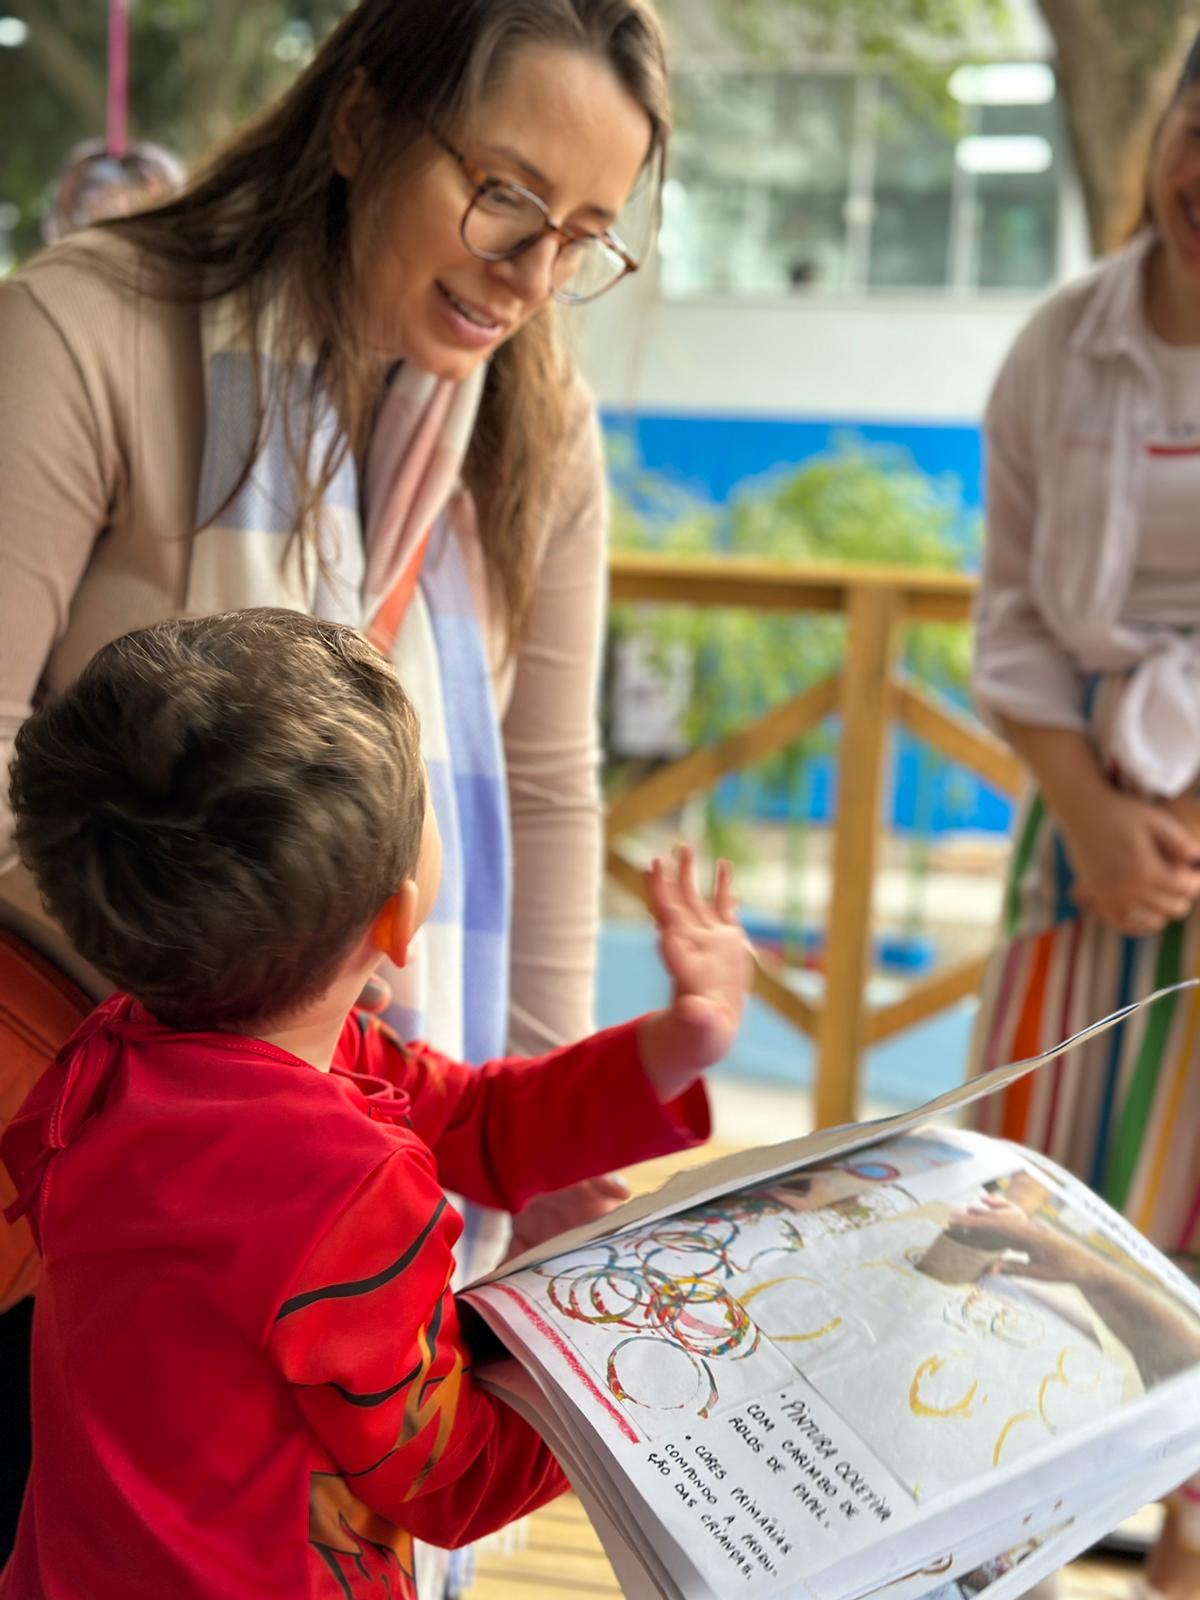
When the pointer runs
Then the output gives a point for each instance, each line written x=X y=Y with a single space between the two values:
x=701 y=1316
x=660 y=1375
x=613 y=1293
x=676 y=1254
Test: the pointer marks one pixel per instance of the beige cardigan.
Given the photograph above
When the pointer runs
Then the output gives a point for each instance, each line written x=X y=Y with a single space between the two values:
x=102 y=417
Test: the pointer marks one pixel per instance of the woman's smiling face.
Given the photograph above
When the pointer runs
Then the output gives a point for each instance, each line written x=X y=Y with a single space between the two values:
x=560 y=124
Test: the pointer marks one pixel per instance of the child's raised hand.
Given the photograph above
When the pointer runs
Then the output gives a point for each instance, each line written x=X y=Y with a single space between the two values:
x=711 y=965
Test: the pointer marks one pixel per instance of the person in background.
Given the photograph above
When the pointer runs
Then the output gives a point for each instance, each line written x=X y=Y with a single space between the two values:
x=95 y=184
x=1088 y=662
x=329 y=375
x=250 y=1373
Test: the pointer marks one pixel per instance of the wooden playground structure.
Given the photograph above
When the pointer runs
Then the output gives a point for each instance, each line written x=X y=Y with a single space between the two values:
x=870 y=693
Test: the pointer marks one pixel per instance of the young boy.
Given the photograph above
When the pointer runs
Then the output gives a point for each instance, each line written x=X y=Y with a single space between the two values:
x=249 y=1374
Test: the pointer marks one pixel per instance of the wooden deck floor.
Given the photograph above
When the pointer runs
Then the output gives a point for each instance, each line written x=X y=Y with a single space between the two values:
x=556 y=1555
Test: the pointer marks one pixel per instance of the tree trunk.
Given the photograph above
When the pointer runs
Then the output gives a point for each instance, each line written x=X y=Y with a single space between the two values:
x=1117 y=61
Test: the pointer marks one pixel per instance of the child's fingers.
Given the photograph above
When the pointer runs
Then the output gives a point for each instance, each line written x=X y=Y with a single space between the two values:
x=723 y=897
x=665 y=885
x=652 y=878
x=662 y=895
x=689 y=893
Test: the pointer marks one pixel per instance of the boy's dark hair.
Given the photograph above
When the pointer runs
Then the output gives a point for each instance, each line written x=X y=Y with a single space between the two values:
x=216 y=810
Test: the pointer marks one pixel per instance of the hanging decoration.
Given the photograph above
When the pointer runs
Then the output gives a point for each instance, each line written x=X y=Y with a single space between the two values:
x=111 y=177
x=117 y=119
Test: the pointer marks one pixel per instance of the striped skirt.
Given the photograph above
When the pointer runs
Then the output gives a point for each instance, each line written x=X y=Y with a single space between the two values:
x=1123 y=1111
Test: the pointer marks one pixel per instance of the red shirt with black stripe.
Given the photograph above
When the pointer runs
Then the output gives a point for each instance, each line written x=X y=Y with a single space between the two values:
x=250 y=1378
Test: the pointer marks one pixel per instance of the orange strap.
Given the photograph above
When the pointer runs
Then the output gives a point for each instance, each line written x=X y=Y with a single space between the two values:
x=39 y=1010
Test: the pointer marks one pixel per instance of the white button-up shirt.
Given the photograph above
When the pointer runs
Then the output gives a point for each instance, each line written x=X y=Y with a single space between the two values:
x=1066 y=429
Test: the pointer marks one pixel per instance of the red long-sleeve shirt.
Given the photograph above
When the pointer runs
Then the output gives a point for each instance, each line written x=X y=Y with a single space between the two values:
x=249 y=1375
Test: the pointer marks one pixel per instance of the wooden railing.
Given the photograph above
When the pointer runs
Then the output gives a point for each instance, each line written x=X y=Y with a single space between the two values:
x=869 y=693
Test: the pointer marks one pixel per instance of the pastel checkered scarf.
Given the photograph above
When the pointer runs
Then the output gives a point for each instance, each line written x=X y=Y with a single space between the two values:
x=401 y=561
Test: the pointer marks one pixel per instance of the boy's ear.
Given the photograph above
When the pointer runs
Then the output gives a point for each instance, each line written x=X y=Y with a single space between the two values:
x=393 y=929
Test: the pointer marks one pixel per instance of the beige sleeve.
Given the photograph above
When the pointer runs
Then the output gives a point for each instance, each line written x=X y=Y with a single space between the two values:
x=552 y=745
x=58 y=472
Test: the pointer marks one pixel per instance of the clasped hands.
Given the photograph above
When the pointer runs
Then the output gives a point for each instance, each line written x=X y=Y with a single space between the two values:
x=1137 y=860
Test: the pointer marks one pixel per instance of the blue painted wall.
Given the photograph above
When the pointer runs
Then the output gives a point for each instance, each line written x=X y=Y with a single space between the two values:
x=949 y=799
x=713 y=455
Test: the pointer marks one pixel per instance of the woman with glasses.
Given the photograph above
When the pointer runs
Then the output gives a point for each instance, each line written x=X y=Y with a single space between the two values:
x=329 y=375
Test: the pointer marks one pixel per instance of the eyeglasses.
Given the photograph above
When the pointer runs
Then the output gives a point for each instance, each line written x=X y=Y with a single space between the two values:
x=503 y=221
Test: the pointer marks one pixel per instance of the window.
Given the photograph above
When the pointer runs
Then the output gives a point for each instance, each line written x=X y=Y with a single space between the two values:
x=805 y=182
x=912 y=199
x=1016 y=211
x=757 y=197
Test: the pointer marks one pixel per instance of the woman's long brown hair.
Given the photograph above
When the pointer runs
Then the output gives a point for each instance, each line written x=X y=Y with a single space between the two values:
x=269 y=221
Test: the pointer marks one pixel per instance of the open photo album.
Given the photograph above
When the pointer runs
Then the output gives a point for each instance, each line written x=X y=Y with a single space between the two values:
x=894 y=1360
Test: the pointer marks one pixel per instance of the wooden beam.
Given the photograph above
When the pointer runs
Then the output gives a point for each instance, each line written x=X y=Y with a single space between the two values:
x=925 y=999
x=873 y=642
x=669 y=787
x=958 y=737
x=787 y=586
x=770 y=987
x=621 y=870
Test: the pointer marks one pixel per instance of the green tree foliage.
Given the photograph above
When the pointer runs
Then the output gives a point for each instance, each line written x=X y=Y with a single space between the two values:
x=197 y=69
x=912 y=39
x=200 y=66
x=859 y=505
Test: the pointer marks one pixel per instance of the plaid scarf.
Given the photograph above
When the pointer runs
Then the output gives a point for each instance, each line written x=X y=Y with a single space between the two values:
x=400 y=561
